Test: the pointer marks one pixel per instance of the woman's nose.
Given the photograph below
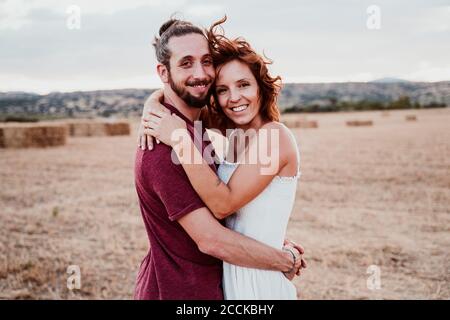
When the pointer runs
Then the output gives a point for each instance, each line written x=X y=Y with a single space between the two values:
x=234 y=95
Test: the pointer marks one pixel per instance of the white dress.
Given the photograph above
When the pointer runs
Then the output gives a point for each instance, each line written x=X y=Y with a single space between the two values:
x=265 y=219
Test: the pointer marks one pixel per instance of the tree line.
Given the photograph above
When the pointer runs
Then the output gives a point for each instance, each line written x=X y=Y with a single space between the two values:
x=333 y=105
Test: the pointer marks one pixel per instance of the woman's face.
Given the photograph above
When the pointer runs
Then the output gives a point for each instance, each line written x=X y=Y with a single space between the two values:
x=238 y=93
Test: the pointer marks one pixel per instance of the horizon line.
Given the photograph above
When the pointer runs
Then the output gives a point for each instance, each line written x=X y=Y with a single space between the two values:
x=386 y=80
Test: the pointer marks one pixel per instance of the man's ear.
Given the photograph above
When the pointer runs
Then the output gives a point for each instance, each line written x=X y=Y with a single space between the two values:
x=163 y=72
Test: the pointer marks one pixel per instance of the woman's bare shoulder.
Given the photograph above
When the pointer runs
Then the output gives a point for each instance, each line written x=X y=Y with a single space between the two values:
x=287 y=141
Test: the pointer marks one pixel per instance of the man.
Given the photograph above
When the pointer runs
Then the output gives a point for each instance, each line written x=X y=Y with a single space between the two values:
x=187 y=242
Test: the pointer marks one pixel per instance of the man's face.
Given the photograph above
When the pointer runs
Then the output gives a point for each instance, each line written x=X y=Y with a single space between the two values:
x=191 y=73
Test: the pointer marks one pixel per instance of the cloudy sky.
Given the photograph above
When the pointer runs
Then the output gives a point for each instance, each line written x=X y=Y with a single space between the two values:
x=42 y=50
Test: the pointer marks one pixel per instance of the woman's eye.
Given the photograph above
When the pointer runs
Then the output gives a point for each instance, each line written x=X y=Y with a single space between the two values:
x=220 y=91
x=207 y=62
x=245 y=84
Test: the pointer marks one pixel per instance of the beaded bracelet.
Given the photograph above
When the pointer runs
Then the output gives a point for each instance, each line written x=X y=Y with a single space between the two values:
x=293 y=256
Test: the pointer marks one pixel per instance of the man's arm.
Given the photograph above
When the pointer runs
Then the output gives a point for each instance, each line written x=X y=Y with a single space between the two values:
x=218 y=241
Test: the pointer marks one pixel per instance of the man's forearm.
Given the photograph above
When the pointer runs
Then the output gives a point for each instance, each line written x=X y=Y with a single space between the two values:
x=234 y=248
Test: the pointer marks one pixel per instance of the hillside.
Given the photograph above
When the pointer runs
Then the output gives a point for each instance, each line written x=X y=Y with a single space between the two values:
x=294 y=97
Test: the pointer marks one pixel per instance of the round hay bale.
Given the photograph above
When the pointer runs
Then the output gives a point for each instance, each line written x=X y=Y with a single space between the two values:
x=411 y=117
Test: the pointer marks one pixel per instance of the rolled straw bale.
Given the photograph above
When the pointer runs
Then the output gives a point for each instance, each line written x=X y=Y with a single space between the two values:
x=411 y=117
x=21 y=135
x=359 y=123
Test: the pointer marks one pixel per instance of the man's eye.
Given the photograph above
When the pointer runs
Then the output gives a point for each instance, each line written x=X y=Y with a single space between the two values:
x=186 y=64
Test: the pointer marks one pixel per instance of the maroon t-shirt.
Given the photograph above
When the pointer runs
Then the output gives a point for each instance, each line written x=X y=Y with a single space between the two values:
x=174 y=267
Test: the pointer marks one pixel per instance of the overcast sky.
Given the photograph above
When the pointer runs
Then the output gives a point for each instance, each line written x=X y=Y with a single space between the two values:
x=309 y=41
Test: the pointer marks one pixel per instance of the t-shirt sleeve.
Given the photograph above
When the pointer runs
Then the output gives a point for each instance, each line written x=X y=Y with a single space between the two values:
x=175 y=191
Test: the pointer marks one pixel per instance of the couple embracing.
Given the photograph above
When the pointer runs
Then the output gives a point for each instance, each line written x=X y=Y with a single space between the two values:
x=217 y=226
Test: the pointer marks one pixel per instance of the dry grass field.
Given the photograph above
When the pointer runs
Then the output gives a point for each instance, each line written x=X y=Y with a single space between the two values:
x=369 y=195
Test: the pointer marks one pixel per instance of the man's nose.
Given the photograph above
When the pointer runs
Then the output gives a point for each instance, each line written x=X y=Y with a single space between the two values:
x=199 y=71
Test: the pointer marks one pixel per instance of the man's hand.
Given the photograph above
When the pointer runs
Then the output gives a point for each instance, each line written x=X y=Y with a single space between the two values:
x=300 y=262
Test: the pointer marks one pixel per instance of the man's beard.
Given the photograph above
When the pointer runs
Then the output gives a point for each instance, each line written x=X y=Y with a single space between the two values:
x=187 y=97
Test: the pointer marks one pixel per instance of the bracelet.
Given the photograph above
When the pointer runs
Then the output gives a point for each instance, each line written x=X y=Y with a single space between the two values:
x=293 y=256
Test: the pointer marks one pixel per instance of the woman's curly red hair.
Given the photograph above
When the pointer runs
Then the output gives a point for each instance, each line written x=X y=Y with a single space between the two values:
x=224 y=50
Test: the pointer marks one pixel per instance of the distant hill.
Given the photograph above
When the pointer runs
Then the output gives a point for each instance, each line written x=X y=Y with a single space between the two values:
x=294 y=97
x=103 y=103
x=301 y=96
x=388 y=80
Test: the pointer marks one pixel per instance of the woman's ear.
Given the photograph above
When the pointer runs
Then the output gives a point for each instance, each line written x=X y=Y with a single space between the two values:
x=163 y=73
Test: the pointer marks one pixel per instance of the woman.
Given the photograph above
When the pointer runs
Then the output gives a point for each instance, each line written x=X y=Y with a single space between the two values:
x=255 y=194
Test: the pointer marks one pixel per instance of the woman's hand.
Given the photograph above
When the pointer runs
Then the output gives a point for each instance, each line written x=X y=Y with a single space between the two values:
x=152 y=104
x=162 y=125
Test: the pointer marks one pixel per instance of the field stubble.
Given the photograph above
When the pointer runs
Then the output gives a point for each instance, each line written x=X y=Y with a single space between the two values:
x=377 y=195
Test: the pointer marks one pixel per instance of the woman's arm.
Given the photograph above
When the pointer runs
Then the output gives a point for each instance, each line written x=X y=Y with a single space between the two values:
x=249 y=179
x=152 y=104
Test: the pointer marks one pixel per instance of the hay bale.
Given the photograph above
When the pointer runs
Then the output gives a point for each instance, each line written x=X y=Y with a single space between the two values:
x=385 y=114
x=359 y=123
x=78 y=129
x=86 y=128
x=411 y=117
x=300 y=124
x=43 y=135
x=98 y=128
x=308 y=124
x=121 y=128
x=289 y=123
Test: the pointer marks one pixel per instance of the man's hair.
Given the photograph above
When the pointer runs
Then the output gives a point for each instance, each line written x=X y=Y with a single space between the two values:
x=169 y=29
